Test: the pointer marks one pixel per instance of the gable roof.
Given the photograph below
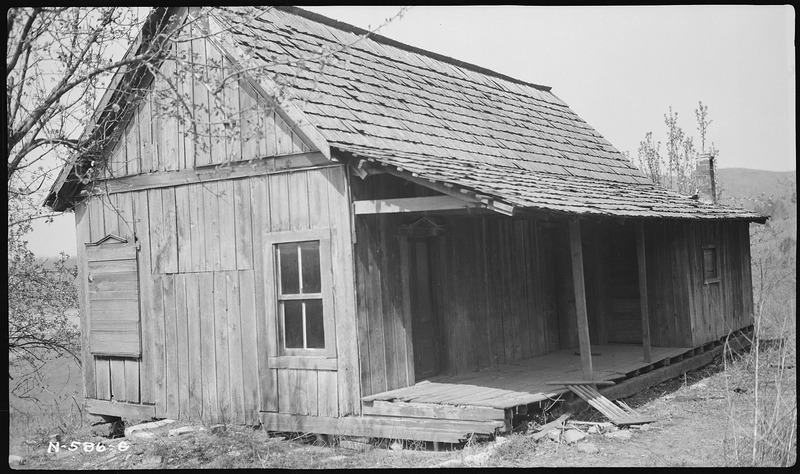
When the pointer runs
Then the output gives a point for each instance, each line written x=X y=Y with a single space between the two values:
x=443 y=121
x=450 y=122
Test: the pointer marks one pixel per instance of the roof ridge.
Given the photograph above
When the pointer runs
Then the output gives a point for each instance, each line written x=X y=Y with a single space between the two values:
x=346 y=27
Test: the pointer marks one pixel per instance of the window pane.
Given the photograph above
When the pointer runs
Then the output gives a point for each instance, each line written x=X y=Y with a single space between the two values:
x=710 y=263
x=315 y=328
x=293 y=324
x=311 y=277
x=290 y=279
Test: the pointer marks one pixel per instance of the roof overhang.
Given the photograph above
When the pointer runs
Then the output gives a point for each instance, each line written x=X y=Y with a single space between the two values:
x=510 y=202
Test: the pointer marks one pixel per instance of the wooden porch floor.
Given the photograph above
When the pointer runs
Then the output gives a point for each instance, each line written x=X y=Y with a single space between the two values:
x=511 y=385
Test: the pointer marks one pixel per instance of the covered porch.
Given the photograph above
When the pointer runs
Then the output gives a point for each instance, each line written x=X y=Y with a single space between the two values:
x=483 y=403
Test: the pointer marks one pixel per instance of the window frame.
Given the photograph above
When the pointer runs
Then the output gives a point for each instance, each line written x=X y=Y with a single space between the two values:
x=717 y=273
x=278 y=355
x=117 y=336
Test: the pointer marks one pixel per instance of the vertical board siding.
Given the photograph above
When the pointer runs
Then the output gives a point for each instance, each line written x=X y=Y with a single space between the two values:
x=227 y=228
x=163 y=134
x=267 y=378
x=171 y=374
x=132 y=146
x=197 y=236
x=490 y=308
x=83 y=235
x=393 y=355
x=690 y=311
x=143 y=118
x=207 y=347
x=157 y=343
x=363 y=306
x=183 y=229
x=216 y=105
x=516 y=299
x=243 y=219
x=185 y=91
x=181 y=342
x=193 y=409
x=248 y=356
x=141 y=228
x=220 y=335
x=205 y=314
x=200 y=130
x=232 y=114
x=336 y=195
x=211 y=231
x=130 y=372
x=235 y=356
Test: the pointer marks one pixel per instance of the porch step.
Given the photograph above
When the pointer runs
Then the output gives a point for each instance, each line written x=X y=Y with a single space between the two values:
x=433 y=429
x=391 y=427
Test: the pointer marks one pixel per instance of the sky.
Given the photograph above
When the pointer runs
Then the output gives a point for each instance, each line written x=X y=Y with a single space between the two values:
x=619 y=68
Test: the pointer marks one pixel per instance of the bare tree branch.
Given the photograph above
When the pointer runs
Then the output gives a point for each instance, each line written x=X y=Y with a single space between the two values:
x=22 y=40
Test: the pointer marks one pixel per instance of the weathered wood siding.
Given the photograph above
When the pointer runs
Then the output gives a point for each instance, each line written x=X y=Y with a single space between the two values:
x=727 y=305
x=205 y=318
x=668 y=272
x=494 y=295
x=503 y=288
x=163 y=134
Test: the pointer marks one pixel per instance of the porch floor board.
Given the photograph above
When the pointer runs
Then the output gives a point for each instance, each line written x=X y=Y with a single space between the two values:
x=510 y=385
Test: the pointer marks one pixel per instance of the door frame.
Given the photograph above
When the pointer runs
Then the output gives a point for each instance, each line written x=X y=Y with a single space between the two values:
x=425 y=229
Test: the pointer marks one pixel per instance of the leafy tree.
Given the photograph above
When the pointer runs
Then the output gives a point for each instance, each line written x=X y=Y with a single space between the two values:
x=39 y=294
x=677 y=168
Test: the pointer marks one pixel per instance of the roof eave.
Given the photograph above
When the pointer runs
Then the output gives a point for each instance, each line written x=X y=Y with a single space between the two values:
x=61 y=195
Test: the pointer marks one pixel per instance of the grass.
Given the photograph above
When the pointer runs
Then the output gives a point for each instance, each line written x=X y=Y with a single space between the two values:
x=763 y=418
x=762 y=401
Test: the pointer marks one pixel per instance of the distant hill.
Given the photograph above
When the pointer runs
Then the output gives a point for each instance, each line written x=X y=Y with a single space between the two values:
x=744 y=182
x=50 y=261
x=770 y=192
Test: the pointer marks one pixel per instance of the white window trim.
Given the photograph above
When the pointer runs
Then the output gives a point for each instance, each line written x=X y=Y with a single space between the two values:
x=278 y=356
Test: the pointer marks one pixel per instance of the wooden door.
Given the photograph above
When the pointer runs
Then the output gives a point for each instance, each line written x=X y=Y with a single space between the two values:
x=424 y=321
x=626 y=314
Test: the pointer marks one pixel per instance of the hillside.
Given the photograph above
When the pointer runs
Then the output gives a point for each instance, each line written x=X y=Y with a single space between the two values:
x=50 y=261
x=771 y=192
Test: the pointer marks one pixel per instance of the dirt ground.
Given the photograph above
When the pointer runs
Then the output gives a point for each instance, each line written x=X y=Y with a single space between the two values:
x=691 y=430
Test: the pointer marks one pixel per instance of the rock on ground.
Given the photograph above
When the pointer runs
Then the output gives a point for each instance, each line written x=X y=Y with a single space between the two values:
x=182 y=430
x=587 y=448
x=573 y=436
x=146 y=426
x=621 y=434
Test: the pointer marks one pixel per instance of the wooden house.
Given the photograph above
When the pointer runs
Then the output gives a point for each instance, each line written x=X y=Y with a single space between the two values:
x=375 y=240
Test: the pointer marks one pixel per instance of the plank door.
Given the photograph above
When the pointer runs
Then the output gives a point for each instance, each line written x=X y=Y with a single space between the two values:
x=424 y=318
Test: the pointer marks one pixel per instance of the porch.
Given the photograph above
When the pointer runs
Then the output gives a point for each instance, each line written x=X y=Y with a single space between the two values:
x=484 y=402
x=512 y=385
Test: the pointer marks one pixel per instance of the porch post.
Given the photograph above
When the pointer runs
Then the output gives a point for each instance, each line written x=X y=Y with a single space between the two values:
x=580 y=298
x=643 y=291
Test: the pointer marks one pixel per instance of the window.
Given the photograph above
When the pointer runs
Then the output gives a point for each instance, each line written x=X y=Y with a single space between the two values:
x=113 y=304
x=710 y=264
x=300 y=296
x=302 y=324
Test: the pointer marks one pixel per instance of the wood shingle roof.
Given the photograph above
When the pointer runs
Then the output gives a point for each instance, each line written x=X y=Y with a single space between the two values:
x=450 y=122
